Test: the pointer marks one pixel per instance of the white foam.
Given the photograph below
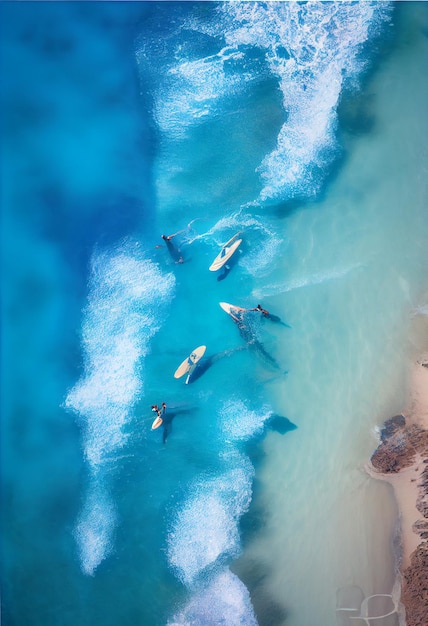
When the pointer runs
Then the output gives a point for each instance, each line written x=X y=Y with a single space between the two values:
x=196 y=542
x=263 y=243
x=94 y=529
x=127 y=298
x=225 y=600
x=193 y=90
x=313 y=50
x=421 y=309
x=238 y=423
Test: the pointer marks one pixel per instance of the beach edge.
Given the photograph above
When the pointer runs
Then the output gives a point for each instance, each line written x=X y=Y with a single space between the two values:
x=401 y=459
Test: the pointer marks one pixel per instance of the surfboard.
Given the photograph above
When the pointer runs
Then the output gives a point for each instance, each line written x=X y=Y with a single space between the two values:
x=158 y=421
x=230 y=308
x=191 y=360
x=226 y=252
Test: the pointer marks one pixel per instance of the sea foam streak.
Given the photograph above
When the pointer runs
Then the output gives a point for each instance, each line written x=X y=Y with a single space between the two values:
x=94 y=529
x=198 y=547
x=224 y=600
x=195 y=543
x=305 y=281
x=127 y=298
x=238 y=423
x=313 y=49
x=262 y=242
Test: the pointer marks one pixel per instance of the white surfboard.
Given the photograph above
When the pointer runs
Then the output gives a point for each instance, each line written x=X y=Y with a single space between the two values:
x=190 y=362
x=226 y=252
x=231 y=308
x=158 y=421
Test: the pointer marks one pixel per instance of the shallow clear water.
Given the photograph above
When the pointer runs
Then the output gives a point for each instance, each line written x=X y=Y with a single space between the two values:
x=291 y=124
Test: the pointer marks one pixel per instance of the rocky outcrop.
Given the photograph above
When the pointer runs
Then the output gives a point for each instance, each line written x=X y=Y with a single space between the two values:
x=401 y=445
x=414 y=593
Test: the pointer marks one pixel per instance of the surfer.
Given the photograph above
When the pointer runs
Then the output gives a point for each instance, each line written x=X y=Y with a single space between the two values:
x=158 y=420
x=238 y=315
x=159 y=411
x=169 y=237
x=174 y=251
x=269 y=316
x=262 y=311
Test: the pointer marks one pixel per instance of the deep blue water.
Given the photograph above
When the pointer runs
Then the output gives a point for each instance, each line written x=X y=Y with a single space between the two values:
x=121 y=122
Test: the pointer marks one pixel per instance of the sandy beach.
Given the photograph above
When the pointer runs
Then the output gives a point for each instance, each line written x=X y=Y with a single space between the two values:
x=402 y=460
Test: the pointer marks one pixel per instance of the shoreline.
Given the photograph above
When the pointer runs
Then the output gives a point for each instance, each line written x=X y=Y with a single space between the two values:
x=401 y=459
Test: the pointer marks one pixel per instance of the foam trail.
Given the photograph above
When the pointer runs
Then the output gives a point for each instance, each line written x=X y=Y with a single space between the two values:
x=194 y=543
x=239 y=423
x=128 y=296
x=263 y=242
x=307 y=281
x=94 y=529
x=225 y=600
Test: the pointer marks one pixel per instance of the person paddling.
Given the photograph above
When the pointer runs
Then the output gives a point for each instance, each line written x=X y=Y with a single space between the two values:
x=266 y=314
x=174 y=251
x=263 y=311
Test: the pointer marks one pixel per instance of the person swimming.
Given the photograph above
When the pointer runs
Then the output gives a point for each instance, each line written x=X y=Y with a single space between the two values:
x=263 y=311
x=267 y=315
x=174 y=251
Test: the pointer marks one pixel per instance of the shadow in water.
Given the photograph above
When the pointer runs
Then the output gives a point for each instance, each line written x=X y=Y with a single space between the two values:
x=207 y=362
x=229 y=266
x=254 y=573
x=169 y=416
x=173 y=250
x=276 y=320
x=252 y=342
x=280 y=424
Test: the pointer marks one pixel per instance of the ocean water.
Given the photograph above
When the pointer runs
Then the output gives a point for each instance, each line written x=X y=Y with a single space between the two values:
x=301 y=126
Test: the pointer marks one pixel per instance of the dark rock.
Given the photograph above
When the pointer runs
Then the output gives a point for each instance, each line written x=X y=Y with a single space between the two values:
x=415 y=587
x=391 y=426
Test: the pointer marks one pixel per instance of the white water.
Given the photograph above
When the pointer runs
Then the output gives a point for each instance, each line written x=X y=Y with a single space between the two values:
x=127 y=300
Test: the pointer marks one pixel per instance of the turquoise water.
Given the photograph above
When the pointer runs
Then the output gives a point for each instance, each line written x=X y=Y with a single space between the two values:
x=286 y=122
